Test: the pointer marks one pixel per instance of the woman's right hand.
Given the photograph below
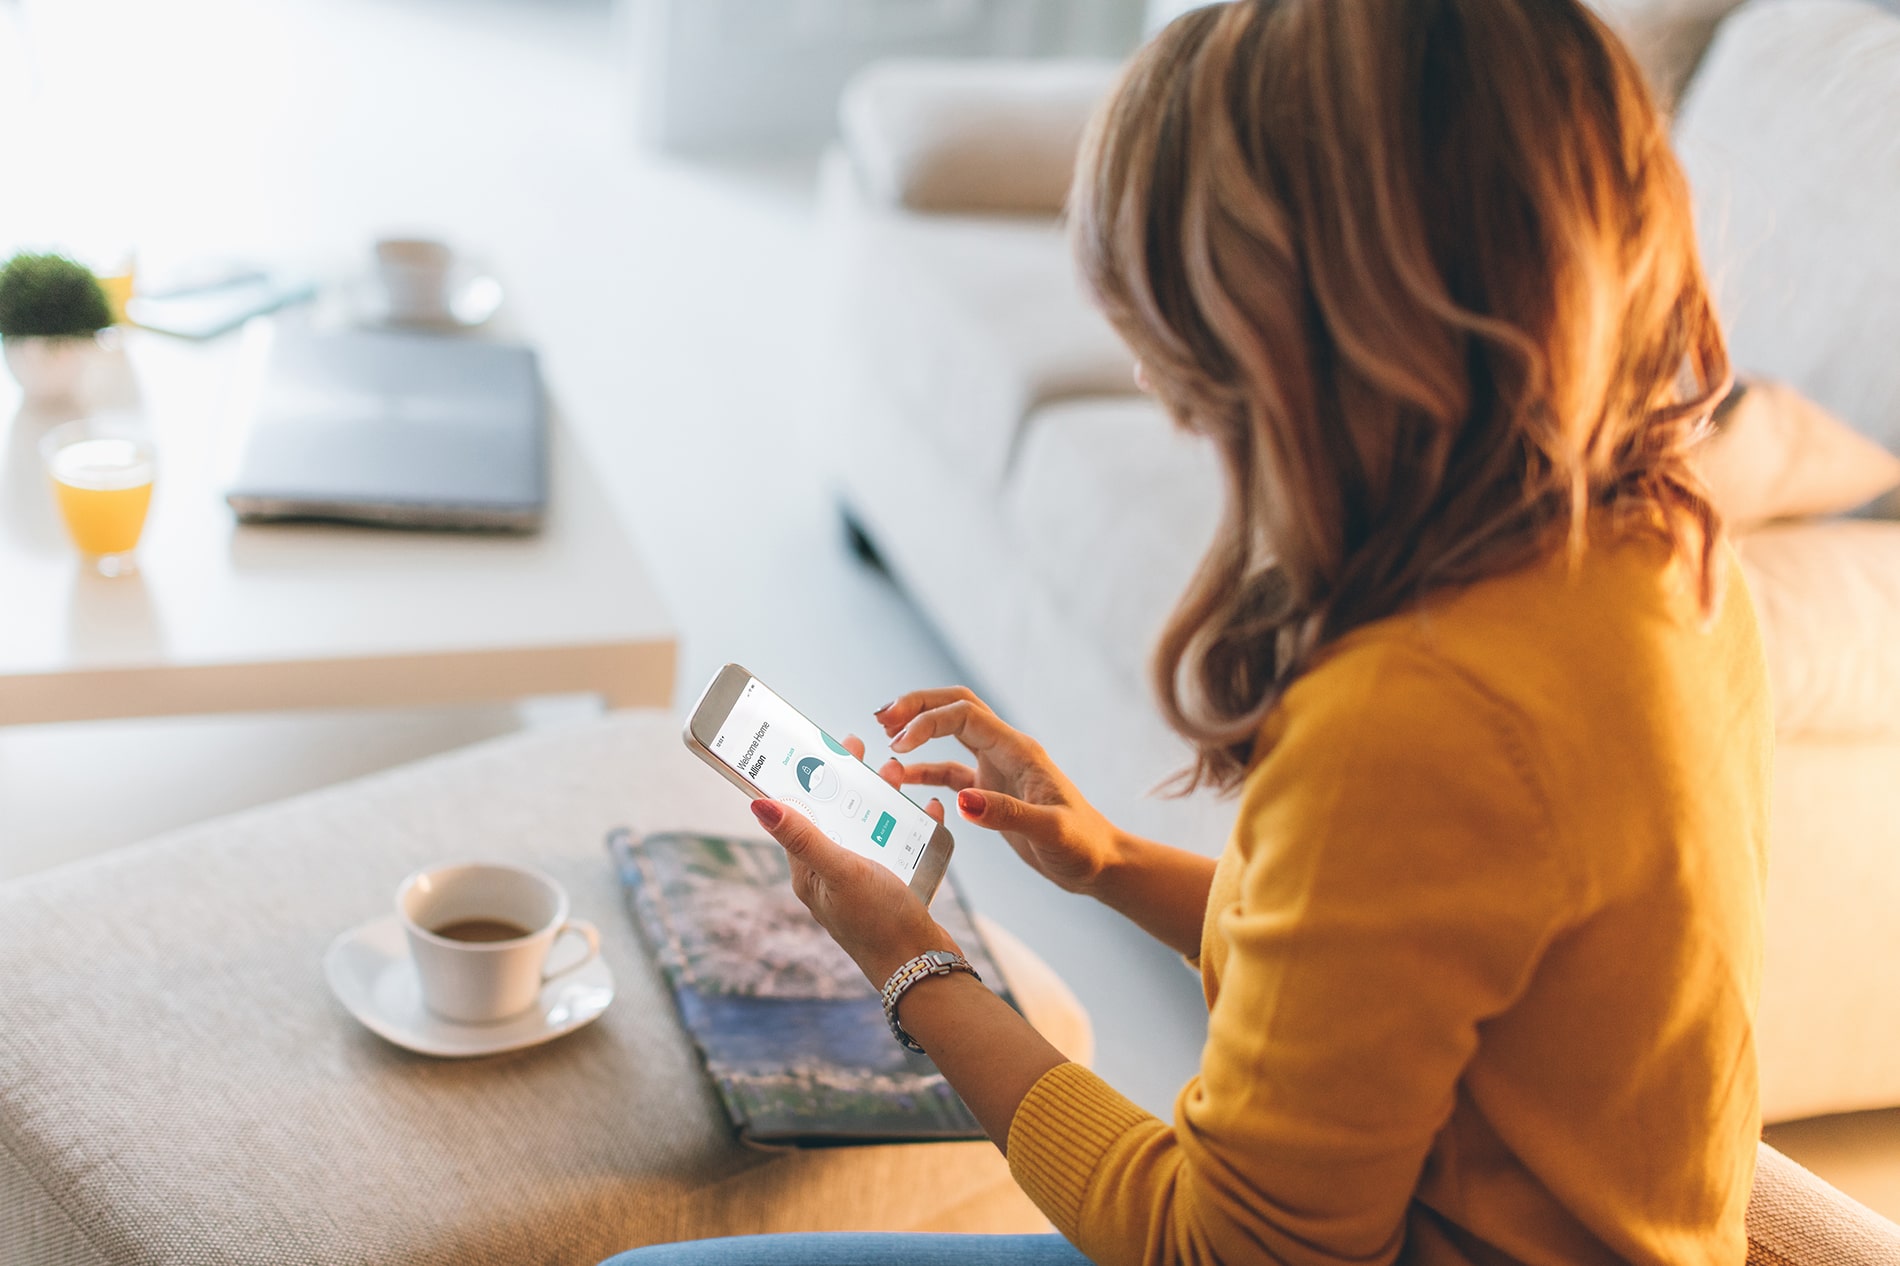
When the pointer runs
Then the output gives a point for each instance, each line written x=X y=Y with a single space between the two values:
x=1014 y=788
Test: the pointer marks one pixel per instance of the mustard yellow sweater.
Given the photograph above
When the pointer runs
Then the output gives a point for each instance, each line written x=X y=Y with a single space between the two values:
x=1481 y=958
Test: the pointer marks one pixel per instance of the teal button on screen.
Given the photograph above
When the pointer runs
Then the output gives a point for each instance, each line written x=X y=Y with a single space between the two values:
x=882 y=831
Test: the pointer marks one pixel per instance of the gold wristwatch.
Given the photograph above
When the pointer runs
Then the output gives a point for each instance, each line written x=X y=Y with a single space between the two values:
x=928 y=963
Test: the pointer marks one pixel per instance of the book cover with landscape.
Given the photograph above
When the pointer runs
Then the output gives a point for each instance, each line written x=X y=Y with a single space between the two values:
x=791 y=1032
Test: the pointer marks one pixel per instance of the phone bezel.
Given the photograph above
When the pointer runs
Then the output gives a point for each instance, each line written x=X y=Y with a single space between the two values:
x=702 y=727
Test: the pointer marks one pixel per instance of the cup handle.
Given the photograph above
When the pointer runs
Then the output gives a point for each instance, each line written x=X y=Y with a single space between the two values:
x=585 y=929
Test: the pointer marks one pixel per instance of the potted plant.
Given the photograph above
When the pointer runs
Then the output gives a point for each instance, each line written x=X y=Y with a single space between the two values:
x=51 y=312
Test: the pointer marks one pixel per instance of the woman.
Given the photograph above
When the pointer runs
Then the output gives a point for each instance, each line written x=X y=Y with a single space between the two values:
x=1481 y=956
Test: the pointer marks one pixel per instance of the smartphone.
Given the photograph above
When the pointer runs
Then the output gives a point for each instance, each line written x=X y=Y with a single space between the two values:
x=769 y=750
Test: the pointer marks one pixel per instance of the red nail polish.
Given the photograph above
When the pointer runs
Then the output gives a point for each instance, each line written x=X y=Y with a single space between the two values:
x=768 y=813
x=971 y=802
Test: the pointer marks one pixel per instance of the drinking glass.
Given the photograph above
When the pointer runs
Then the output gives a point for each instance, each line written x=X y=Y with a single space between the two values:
x=117 y=273
x=102 y=471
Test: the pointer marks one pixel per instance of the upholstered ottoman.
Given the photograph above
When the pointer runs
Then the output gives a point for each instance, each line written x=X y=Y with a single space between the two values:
x=178 y=1085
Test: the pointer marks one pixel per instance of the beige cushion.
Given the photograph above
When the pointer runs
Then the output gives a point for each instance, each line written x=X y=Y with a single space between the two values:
x=1112 y=507
x=1790 y=135
x=1829 y=1020
x=178 y=1085
x=993 y=135
x=1828 y=595
x=1667 y=36
x=966 y=325
x=1781 y=456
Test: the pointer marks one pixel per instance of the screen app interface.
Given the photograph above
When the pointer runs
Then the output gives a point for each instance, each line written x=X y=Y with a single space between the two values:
x=796 y=763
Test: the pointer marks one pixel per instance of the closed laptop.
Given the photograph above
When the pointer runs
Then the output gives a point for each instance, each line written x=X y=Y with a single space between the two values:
x=397 y=430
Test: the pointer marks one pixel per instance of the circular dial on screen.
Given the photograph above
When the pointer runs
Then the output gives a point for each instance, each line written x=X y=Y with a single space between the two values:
x=817 y=777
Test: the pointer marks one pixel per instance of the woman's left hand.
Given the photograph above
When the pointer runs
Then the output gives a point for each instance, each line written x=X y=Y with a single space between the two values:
x=985 y=1050
x=867 y=909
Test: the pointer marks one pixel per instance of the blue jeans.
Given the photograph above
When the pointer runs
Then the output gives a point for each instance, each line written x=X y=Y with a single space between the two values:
x=854 y=1248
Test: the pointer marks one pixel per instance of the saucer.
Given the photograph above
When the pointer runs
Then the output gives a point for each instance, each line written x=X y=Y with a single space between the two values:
x=474 y=299
x=369 y=971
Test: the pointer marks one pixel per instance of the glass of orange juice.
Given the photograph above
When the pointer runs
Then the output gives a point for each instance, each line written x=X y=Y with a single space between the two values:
x=102 y=478
x=117 y=273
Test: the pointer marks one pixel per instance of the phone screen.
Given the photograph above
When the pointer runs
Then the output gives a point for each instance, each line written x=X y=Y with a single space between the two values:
x=794 y=762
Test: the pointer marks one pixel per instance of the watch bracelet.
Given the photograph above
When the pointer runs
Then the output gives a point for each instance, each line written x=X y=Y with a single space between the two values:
x=929 y=963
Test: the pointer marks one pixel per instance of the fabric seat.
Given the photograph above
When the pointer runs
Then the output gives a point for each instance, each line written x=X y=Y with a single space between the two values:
x=1829 y=599
x=1795 y=1219
x=1112 y=506
x=972 y=324
x=177 y=1084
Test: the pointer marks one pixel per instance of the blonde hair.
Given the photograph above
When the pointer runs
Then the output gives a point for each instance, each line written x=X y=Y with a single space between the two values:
x=1424 y=272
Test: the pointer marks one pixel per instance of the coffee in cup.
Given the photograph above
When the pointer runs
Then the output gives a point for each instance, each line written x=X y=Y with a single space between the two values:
x=481 y=935
x=481 y=930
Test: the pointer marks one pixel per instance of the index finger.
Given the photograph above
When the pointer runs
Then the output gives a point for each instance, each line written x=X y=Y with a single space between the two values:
x=947 y=773
x=971 y=724
x=902 y=710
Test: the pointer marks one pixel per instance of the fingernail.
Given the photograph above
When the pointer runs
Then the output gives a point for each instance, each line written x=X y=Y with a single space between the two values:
x=767 y=812
x=971 y=802
x=886 y=708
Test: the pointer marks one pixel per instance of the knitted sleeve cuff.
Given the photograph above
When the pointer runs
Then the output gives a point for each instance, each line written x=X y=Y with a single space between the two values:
x=1063 y=1128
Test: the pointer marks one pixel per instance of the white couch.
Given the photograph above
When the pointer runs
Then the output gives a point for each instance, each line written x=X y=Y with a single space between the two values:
x=991 y=447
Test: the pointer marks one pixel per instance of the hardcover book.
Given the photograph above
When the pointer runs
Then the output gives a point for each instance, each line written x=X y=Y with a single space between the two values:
x=790 y=1031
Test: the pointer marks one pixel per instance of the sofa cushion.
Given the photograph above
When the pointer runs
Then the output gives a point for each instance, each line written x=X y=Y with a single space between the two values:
x=1112 y=507
x=1829 y=1025
x=965 y=324
x=994 y=135
x=1829 y=599
x=1667 y=36
x=1791 y=138
x=1779 y=455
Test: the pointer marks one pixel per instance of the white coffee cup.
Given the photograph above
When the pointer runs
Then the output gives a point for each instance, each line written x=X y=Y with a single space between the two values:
x=415 y=276
x=474 y=981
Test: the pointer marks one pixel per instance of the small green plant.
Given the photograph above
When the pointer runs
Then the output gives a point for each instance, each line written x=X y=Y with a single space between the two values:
x=50 y=296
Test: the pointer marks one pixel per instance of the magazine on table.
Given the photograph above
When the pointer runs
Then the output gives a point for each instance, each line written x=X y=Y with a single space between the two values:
x=789 y=1029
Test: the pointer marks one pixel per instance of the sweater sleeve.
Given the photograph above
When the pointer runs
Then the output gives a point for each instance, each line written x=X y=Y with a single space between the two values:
x=1397 y=887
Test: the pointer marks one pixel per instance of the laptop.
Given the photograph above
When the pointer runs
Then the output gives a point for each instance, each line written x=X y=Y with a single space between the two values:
x=396 y=430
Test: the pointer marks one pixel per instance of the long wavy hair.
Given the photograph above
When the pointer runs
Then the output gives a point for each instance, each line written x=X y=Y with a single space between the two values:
x=1425 y=274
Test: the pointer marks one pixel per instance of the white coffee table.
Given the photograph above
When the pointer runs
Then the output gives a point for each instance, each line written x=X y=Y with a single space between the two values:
x=229 y=618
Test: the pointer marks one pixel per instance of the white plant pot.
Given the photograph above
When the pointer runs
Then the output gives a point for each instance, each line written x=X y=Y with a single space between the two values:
x=49 y=369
